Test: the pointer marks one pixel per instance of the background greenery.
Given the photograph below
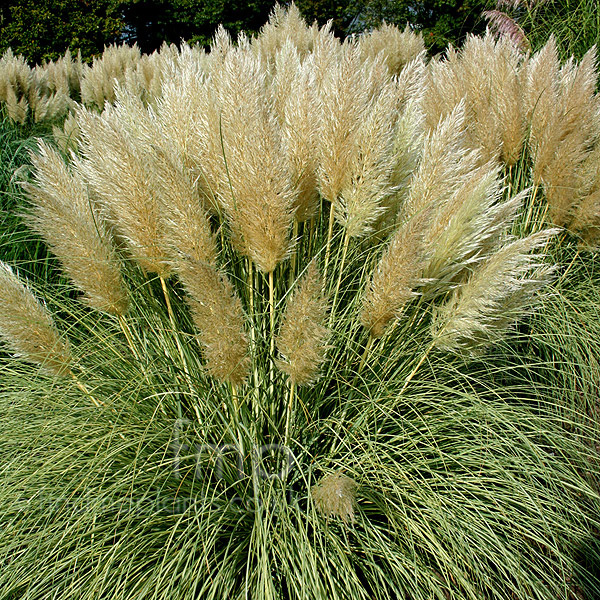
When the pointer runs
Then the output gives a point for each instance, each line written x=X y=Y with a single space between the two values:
x=44 y=30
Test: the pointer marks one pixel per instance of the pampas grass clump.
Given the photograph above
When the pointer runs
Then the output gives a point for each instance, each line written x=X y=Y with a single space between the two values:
x=292 y=317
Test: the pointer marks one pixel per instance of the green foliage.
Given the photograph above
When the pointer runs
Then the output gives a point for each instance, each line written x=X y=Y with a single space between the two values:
x=42 y=31
x=19 y=246
x=152 y=22
x=574 y=23
x=442 y=22
x=342 y=14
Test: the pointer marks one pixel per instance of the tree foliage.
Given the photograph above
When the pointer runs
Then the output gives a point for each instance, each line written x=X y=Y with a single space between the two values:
x=42 y=31
x=442 y=22
x=151 y=22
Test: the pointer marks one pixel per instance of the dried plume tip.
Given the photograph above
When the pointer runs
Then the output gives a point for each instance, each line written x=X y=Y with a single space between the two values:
x=394 y=280
x=335 y=495
x=302 y=340
x=64 y=215
x=27 y=327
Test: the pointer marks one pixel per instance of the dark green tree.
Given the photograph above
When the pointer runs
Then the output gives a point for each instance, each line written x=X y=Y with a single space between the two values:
x=43 y=30
x=151 y=22
x=442 y=22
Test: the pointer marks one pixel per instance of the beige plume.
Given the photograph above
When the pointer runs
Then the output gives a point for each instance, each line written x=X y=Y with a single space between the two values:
x=219 y=317
x=500 y=291
x=257 y=193
x=64 y=215
x=27 y=327
x=335 y=495
x=302 y=339
x=118 y=168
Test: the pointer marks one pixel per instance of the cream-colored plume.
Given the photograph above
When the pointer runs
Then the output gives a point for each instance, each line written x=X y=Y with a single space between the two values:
x=98 y=81
x=17 y=86
x=489 y=76
x=371 y=165
x=445 y=163
x=256 y=193
x=27 y=327
x=395 y=278
x=189 y=121
x=302 y=339
x=586 y=215
x=500 y=291
x=348 y=87
x=465 y=229
x=398 y=47
x=186 y=225
x=564 y=111
x=335 y=496
x=67 y=136
x=285 y=26
x=296 y=103
x=119 y=170
x=452 y=218
x=64 y=215
x=219 y=317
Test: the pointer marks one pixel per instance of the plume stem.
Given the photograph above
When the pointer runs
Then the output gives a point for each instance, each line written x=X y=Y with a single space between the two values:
x=366 y=352
x=339 y=279
x=329 y=236
x=163 y=284
x=288 y=414
x=418 y=366
x=127 y=333
x=531 y=207
x=294 y=257
x=252 y=331
x=272 y=332
x=84 y=389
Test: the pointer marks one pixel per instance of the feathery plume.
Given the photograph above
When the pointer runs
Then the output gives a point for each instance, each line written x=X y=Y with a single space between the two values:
x=397 y=47
x=98 y=81
x=296 y=103
x=285 y=26
x=17 y=86
x=564 y=125
x=409 y=136
x=348 y=86
x=466 y=228
x=27 y=327
x=67 y=136
x=395 y=278
x=445 y=163
x=489 y=76
x=586 y=215
x=302 y=339
x=189 y=122
x=371 y=166
x=219 y=317
x=64 y=215
x=257 y=193
x=118 y=169
x=185 y=221
x=335 y=495
x=443 y=168
x=500 y=291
